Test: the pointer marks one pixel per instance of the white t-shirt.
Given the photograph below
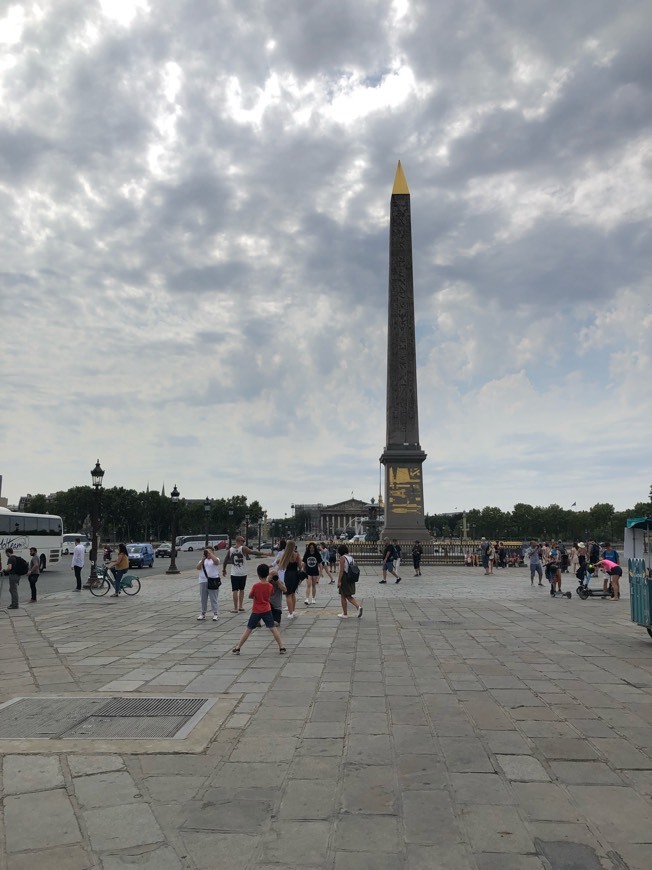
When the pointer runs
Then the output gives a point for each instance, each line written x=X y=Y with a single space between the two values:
x=212 y=570
x=238 y=569
x=78 y=556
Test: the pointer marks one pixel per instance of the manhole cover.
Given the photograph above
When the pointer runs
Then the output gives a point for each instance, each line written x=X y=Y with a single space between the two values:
x=91 y=718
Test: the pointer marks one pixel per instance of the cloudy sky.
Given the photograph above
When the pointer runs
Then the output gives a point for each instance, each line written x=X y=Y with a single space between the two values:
x=194 y=200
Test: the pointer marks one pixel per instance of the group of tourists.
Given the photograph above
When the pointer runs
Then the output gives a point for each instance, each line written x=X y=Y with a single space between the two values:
x=274 y=582
x=554 y=559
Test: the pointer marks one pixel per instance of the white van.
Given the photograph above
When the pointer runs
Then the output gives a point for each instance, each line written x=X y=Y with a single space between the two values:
x=68 y=543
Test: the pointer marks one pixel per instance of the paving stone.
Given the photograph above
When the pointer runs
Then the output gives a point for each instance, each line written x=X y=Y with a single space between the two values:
x=321 y=767
x=172 y=789
x=436 y=856
x=428 y=817
x=487 y=861
x=631 y=824
x=496 y=829
x=25 y=773
x=163 y=858
x=369 y=789
x=226 y=852
x=302 y=843
x=221 y=812
x=465 y=755
x=621 y=754
x=368 y=861
x=324 y=746
x=55 y=858
x=39 y=820
x=585 y=773
x=307 y=799
x=480 y=788
x=369 y=748
x=421 y=771
x=636 y=857
x=544 y=801
x=122 y=827
x=562 y=854
x=85 y=765
x=522 y=768
x=507 y=742
x=355 y=833
x=106 y=789
x=369 y=723
x=565 y=748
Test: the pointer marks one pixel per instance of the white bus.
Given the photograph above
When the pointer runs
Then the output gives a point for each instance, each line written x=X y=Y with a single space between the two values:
x=21 y=531
x=188 y=543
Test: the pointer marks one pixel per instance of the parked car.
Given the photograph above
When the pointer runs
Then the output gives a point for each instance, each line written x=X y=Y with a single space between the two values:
x=163 y=549
x=140 y=555
x=68 y=542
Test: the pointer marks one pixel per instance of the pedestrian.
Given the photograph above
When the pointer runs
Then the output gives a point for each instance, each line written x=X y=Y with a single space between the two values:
x=532 y=553
x=332 y=557
x=311 y=562
x=610 y=553
x=324 y=568
x=594 y=552
x=613 y=572
x=236 y=556
x=502 y=555
x=484 y=553
x=33 y=572
x=261 y=593
x=288 y=567
x=553 y=570
x=209 y=582
x=399 y=553
x=581 y=555
x=77 y=563
x=345 y=584
x=574 y=561
x=491 y=556
x=389 y=557
x=417 y=553
x=120 y=566
x=276 y=600
x=15 y=569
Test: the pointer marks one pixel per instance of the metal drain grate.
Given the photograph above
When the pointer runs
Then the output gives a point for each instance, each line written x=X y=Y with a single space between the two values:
x=151 y=707
x=100 y=718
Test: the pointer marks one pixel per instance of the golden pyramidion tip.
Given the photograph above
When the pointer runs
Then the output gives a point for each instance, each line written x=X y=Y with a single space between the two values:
x=400 y=184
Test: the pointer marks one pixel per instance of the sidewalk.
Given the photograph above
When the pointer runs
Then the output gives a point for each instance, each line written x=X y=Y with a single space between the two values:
x=464 y=723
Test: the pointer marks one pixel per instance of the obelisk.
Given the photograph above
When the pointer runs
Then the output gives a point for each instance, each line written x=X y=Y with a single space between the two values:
x=403 y=456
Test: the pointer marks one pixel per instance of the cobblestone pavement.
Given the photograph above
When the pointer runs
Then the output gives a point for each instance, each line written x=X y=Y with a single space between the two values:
x=464 y=723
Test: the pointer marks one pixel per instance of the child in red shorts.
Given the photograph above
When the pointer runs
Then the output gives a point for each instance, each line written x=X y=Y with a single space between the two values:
x=261 y=592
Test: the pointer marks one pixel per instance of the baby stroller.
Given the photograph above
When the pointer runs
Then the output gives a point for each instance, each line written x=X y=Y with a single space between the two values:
x=584 y=574
x=552 y=569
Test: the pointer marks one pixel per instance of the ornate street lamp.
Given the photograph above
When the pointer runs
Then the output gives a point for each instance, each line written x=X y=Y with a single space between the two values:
x=247 y=529
x=97 y=475
x=260 y=532
x=207 y=513
x=174 y=496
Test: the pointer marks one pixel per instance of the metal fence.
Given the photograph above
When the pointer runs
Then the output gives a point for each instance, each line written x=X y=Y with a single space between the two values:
x=434 y=552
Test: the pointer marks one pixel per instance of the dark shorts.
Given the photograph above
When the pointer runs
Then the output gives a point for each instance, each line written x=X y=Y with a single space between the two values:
x=277 y=614
x=291 y=584
x=388 y=565
x=347 y=588
x=238 y=583
x=312 y=572
x=616 y=572
x=255 y=618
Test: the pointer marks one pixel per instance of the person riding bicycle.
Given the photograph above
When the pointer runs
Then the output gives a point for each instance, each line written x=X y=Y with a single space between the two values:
x=120 y=566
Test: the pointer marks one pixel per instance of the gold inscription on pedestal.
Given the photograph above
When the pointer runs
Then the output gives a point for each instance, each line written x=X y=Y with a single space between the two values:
x=405 y=489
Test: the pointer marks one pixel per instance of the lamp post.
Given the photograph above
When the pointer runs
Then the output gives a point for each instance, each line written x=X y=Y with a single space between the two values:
x=174 y=496
x=260 y=532
x=97 y=475
x=231 y=536
x=247 y=529
x=207 y=515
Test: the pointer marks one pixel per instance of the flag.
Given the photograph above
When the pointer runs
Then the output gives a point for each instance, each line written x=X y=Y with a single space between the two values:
x=574 y=503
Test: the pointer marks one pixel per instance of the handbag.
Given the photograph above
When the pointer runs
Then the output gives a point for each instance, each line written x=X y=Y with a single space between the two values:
x=211 y=582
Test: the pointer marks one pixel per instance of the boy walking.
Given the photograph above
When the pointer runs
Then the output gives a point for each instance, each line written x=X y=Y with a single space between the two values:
x=261 y=592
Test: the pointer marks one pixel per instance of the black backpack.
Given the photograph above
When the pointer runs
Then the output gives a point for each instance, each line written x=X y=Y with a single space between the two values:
x=20 y=566
x=352 y=571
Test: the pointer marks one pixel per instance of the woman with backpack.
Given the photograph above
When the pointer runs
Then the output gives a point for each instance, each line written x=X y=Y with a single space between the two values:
x=289 y=565
x=346 y=582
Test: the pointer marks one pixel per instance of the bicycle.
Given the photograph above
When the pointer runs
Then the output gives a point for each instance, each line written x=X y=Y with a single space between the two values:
x=129 y=584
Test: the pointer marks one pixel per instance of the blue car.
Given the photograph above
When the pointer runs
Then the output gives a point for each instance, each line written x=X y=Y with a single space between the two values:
x=140 y=555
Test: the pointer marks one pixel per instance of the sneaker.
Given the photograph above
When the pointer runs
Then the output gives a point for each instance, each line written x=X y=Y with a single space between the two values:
x=12 y=607
x=290 y=615
x=201 y=616
x=314 y=601
x=359 y=611
x=398 y=579
x=215 y=617
x=382 y=581
x=307 y=601
x=342 y=615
